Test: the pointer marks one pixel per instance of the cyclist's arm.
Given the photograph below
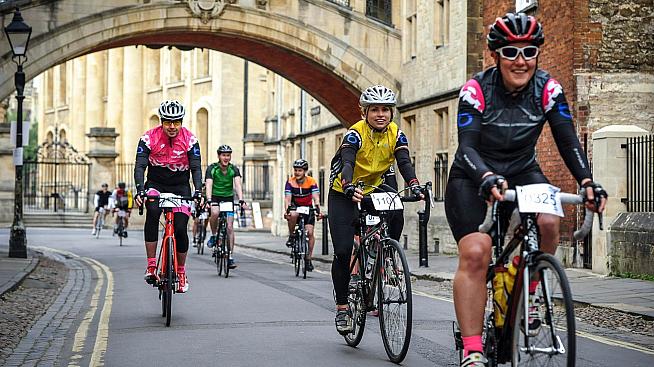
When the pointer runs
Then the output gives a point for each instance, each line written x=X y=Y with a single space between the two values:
x=560 y=120
x=96 y=200
x=315 y=195
x=195 y=163
x=208 y=182
x=288 y=195
x=142 y=160
x=348 y=151
x=403 y=159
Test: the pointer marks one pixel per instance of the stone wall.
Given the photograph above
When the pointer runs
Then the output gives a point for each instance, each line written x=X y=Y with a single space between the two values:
x=631 y=244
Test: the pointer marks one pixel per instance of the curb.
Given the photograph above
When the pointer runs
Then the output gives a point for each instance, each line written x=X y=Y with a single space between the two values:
x=19 y=277
x=280 y=252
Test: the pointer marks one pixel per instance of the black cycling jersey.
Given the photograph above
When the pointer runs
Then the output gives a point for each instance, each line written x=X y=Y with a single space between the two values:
x=498 y=130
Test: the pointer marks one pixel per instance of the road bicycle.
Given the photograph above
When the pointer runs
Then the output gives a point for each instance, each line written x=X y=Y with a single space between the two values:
x=537 y=326
x=385 y=271
x=201 y=230
x=300 y=248
x=120 y=227
x=99 y=223
x=221 y=249
x=167 y=259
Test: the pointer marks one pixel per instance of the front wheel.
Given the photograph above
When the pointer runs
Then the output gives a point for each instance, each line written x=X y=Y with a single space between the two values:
x=170 y=280
x=394 y=301
x=226 y=252
x=548 y=336
x=358 y=309
x=303 y=252
x=202 y=237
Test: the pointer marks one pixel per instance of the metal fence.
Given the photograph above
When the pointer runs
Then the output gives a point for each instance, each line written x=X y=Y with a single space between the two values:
x=256 y=181
x=55 y=186
x=440 y=176
x=124 y=173
x=640 y=174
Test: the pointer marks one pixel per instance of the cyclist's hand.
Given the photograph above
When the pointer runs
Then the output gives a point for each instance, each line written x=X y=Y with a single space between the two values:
x=353 y=193
x=416 y=190
x=197 y=197
x=243 y=204
x=138 y=199
x=490 y=187
x=595 y=196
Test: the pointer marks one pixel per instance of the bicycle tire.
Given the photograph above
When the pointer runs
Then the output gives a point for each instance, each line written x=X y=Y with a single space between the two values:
x=296 y=257
x=170 y=280
x=120 y=231
x=203 y=236
x=226 y=251
x=98 y=226
x=218 y=256
x=394 y=282
x=303 y=251
x=558 y=322
x=357 y=306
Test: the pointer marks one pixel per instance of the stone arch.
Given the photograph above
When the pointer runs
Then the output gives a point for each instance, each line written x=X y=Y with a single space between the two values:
x=331 y=67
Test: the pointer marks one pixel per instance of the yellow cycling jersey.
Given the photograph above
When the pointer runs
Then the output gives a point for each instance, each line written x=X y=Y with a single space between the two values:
x=375 y=154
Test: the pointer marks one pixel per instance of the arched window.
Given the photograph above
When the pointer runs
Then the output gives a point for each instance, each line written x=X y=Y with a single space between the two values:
x=62 y=136
x=153 y=121
x=202 y=131
x=49 y=138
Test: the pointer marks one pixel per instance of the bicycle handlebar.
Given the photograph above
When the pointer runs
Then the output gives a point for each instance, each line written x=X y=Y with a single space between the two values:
x=566 y=198
x=157 y=197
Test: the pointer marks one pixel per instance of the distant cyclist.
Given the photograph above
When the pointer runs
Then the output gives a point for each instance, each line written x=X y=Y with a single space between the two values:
x=222 y=180
x=302 y=190
x=171 y=154
x=100 y=200
x=122 y=200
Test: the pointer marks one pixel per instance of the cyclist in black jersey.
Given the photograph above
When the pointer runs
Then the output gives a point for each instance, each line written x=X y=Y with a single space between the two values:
x=501 y=114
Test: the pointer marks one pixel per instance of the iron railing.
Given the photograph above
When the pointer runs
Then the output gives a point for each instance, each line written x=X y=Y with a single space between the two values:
x=380 y=10
x=125 y=173
x=440 y=176
x=640 y=174
x=256 y=181
x=56 y=186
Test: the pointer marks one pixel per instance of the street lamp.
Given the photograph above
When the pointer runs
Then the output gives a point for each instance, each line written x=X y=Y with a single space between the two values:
x=18 y=33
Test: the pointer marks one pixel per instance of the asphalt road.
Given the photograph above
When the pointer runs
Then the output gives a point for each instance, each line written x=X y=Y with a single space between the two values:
x=262 y=315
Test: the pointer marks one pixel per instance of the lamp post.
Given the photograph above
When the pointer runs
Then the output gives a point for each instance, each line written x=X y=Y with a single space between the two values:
x=18 y=33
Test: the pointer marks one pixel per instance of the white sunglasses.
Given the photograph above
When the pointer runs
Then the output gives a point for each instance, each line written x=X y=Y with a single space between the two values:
x=512 y=52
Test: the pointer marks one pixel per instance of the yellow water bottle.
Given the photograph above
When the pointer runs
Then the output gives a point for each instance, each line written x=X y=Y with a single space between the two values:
x=499 y=295
x=509 y=276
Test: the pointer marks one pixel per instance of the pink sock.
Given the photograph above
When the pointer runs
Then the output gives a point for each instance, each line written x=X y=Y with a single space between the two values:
x=472 y=344
x=532 y=286
x=181 y=269
x=152 y=261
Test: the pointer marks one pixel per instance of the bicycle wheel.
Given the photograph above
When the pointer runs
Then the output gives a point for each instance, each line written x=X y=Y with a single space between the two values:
x=296 y=255
x=225 y=251
x=170 y=280
x=120 y=232
x=358 y=309
x=394 y=301
x=303 y=251
x=98 y=226
x=552 y=340
x=203 y=236
x=218 y=256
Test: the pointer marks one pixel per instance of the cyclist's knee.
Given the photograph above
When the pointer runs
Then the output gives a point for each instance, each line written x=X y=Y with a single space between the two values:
x=474 y=252
x=548 y=223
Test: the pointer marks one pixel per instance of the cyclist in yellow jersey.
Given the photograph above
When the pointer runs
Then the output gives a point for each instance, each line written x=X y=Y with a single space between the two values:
x=367 y=152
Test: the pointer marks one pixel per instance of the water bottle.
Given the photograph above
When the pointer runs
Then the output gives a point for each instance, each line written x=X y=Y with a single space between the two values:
x=499 y=295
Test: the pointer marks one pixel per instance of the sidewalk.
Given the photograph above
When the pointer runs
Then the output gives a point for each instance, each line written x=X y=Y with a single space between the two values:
x=12 y=270
x=628 y=295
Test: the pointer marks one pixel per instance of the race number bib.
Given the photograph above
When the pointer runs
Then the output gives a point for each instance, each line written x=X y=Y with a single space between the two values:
x=226 y=206
x=383 y=201
x=539 y=198
x=371 y=220
x=302 y=210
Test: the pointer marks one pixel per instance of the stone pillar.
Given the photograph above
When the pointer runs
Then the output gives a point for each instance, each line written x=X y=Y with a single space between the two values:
x=102 y=152
x=78 y=104
x=94 y=91
x=610 y=170
x=7 y=179
x=132 y=101
x=115 y=95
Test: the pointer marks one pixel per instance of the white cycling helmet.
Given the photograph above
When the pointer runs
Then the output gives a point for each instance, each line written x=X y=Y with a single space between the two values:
x=377 y=94
x=171 y=110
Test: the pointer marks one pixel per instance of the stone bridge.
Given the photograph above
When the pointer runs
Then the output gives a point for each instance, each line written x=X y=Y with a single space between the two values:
x=335 y=55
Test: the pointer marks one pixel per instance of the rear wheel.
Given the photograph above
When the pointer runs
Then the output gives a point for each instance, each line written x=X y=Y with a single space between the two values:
x=394 y=301
x=550 y=337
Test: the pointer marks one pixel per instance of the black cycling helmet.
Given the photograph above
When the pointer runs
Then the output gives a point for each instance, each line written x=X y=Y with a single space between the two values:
x=301 y=163
x=121 y=185
x=513 y=28
x=224 y=149
x=171 y=110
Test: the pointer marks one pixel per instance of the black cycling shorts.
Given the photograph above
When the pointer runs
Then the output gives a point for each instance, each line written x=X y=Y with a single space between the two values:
x=466 y=210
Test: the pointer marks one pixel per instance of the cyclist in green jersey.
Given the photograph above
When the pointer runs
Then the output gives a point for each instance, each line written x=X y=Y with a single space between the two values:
x=222 y=180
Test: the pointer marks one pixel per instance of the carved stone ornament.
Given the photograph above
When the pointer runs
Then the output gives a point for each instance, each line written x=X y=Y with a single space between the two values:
x=208 y=9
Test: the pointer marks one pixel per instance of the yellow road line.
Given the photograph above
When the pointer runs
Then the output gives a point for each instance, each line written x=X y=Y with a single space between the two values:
x=100 y=347
x=616 y=343
x=82 y=330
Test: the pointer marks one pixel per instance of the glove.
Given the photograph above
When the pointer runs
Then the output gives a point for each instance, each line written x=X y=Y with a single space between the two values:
x=141 y=194
x=598 y=190
x=488 y=183
x=197 y=195
x=348 y=190
x=416 y=190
